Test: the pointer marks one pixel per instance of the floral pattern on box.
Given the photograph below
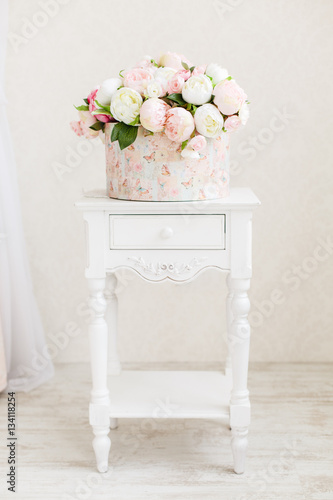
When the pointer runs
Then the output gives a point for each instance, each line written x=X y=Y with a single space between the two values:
x=152 y=169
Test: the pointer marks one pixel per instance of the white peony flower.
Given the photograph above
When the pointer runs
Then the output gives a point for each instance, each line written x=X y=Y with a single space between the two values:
x=208 y=120
x=216 y=73
x=126 y=104
x=197 y=90
x=244 y=113
x=154 y=89
x=163 y=75
x=107 y=89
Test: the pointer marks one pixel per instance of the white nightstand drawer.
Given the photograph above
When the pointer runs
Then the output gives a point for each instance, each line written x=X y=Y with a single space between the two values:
x=167 y=231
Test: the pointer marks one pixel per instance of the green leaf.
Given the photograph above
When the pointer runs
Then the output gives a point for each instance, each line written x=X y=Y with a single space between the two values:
x=192 y=68
x=136 y=121
x=115 y=133
x=97 y=126
x=120 y=73
x=107 y=108
x=101 y=112
x=184 y=144
x=229 y=78
x=124 y=134
x=193 y=109
x=86 y=101
x=185 y=66
x=82 y=108
x=177 y=98
x=224 y=129
x=154 y=62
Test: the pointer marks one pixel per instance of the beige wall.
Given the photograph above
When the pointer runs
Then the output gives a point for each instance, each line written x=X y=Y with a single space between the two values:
x=280 y=52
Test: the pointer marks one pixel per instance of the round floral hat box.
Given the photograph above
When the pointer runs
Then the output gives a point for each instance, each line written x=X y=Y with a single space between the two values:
x=166 y=127
x=152 y=169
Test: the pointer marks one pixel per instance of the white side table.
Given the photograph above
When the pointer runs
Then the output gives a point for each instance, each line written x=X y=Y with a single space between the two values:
x=159 y=241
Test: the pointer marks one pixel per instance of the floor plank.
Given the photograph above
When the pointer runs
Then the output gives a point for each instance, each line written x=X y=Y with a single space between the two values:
x=290 y=444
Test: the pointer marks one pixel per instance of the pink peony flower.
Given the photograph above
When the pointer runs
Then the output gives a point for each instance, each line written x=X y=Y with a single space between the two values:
x=229 y=97
x=93 y=106
x=146 y=63
x=138 y=79
x=173 y=60
x=175 y=84
x=199 y=70
x=184 y=73
x=198 y=143
x=179 y=124
x=153 y=114
x=232 y=123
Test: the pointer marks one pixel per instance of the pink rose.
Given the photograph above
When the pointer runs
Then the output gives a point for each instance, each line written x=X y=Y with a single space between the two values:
x=153 y=114
x=229 y=97
x=91 y=99
x=138 y=79
x=93 y=106
x=175 y=84
x=232 y=123
x=173 y=60
x=198 y=143
x=184 y=73
x=199 y=70
x=179 y=124
x=103 y=118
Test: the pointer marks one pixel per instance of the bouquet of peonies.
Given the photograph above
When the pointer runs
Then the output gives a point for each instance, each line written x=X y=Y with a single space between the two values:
x=187 y=103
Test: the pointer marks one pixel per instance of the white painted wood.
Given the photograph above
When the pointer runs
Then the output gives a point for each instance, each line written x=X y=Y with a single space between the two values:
x=239 y=444
x=241 y=244
x=239 y=199
x=167 y=232
x=239 y=343
x=169 y=394
x=111 y=317
x=95 y=237
x=228 y=370
x=159 y=265
x=99 y=402
x=172 y=241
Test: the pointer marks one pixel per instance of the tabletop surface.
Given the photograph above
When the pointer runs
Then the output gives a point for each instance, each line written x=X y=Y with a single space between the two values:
x=239 y=199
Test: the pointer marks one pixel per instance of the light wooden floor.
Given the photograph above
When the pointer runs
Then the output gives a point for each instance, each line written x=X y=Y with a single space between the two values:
x=290 y=451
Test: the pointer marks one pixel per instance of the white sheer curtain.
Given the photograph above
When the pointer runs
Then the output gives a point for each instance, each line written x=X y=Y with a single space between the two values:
x=23 y=340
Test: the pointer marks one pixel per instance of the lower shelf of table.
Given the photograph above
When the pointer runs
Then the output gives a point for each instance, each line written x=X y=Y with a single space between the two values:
x=169 y=394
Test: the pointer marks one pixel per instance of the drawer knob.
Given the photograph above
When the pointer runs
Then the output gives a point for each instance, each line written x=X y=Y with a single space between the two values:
x=166 y=233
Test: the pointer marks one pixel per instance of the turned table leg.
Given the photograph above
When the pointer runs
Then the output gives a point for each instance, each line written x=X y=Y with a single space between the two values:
x=239 y=343
x=111 y=316
x=99 y=402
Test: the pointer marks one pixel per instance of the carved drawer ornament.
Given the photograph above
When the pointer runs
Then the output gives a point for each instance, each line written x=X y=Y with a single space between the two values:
x=172 y=268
